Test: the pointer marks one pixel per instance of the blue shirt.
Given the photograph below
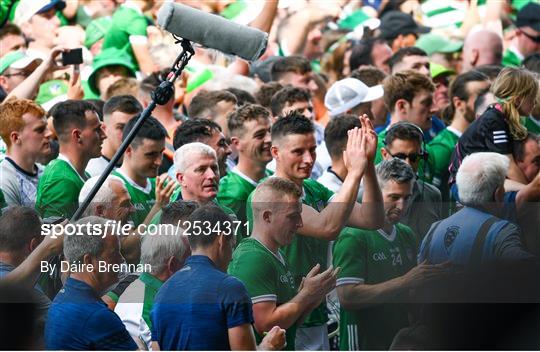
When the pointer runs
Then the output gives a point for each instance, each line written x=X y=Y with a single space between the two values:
x=194 y=309
x=79 y=320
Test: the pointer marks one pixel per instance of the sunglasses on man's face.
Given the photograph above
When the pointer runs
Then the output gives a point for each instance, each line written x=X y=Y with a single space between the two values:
x=413 y=157
x=535 y=39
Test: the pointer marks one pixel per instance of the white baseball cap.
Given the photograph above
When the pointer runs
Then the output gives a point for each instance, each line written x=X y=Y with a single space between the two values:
x=348 y=93
x=28 y=8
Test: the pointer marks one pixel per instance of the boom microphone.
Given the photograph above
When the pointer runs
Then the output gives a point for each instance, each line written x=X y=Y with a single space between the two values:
x=212 y=31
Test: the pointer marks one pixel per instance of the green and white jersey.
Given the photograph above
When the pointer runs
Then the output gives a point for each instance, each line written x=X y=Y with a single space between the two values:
x=134 y=306
x=128 y=27
x=59 y=188
x=143 y=199
x=234 y=190
x=267 y=277
x=372 y=257
x=532 y=125
x=305 y=252
x=440 y=151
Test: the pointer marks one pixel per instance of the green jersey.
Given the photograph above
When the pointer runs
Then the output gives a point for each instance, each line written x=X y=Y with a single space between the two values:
x=372 y=257
x=234 y=190
x=128 y=26
x=511 y=58
x=143 y=199
x=532 y=125
x=59 y=188
x=267 y=278
x=305 y=252
x=440 y=151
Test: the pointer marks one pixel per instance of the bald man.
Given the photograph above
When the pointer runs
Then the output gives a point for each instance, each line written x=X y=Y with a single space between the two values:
x=481 y=47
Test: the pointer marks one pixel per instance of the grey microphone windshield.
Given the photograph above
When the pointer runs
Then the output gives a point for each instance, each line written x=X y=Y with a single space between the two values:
x=212 y=31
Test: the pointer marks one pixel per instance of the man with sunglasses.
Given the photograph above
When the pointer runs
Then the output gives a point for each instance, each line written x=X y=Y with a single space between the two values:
x=527 y=38
x=404 y=141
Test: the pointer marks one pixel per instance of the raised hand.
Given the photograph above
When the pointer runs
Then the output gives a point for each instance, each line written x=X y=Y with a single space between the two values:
x=371 y=138
x=165 y=186
x=355 y=156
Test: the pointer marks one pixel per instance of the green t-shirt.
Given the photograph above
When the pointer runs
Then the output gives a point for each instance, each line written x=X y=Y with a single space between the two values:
x=59 y=188
x=440 y=151
x=372 y=257
x=305 y=252
x=126 y=22
x=267 y=277
x=510 y=58
x=143 y=199
x=533 y=126
x=234 y=190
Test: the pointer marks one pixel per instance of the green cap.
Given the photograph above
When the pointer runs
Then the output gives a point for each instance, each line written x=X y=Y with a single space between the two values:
x=435 y=43
x=96 y=30
x=439 y=70
x=51 y=90
x=109 y=57
x=18 y=60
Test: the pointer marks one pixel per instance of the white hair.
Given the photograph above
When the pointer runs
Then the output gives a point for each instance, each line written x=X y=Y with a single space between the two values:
x=104 y=195
x=479 y=176
x=224 y=79
x=157 y=248
x=85 y=240
x=182 y=156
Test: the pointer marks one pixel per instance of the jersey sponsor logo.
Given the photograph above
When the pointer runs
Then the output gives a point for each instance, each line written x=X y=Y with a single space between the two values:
x=450 y=236
x=139 y=206
x=287 y=278
x=379 y=257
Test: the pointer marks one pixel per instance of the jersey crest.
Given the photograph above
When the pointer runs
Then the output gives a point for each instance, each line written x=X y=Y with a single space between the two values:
x=450 y=236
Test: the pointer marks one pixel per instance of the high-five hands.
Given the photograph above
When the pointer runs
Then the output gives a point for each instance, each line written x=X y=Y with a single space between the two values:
x=361 y=147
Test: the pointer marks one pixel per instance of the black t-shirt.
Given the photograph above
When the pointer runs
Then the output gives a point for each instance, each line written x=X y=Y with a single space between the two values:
x=489 y=133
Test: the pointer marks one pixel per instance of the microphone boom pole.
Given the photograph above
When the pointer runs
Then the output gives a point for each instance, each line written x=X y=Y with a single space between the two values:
x=161 y=95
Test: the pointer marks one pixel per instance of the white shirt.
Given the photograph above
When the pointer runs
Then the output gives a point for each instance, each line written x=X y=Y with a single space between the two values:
x=330 y=180
x=96 y=166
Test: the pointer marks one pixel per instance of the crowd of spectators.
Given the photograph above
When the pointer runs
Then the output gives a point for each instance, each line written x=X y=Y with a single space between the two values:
x=371 y=182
